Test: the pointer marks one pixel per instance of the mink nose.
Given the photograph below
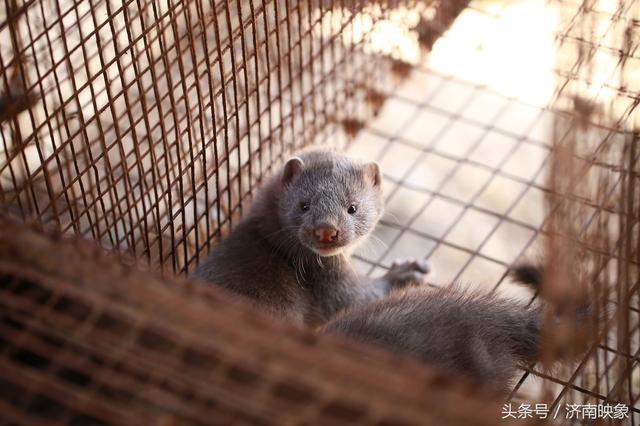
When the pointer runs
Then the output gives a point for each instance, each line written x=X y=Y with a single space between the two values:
x=325 y=234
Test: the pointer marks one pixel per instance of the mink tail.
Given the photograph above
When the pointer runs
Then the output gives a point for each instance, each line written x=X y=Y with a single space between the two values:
x=528 y=274
x=532 y=276
x=526 y=338
x=529 y=343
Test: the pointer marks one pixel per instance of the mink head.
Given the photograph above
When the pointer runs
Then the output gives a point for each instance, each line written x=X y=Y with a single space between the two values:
x=329 y=201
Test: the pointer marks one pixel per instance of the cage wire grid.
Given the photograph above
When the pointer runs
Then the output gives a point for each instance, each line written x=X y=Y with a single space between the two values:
x=107 y=369
x=415 y=142
x=317 y=79
x=135 y=175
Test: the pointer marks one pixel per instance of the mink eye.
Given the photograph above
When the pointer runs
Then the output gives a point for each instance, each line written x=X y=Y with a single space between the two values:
x=352 y=209
x=304 y=206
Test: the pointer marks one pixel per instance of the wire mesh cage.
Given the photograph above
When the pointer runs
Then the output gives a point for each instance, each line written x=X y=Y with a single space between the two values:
x=148 y=126
x=227 y=89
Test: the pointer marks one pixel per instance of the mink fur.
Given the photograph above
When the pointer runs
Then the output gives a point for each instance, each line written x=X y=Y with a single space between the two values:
x=273 y=259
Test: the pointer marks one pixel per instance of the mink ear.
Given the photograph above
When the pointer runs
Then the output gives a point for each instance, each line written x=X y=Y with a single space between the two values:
x=291 y=170
x=372 y=172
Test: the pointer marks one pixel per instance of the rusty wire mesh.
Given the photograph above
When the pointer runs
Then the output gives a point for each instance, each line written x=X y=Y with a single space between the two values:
x=142 y=119
x=116 y=346
x=470 y=159
x=147 y=126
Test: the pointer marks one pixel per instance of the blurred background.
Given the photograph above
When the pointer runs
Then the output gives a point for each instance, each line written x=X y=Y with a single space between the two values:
x=505 y=130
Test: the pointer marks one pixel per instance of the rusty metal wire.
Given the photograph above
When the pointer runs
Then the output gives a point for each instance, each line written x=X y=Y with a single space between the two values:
x=146 y=126
x=585 y=169
x=147 y=117
x=86 y=340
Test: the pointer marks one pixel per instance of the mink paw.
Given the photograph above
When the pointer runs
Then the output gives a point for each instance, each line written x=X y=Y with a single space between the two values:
x=407 y=272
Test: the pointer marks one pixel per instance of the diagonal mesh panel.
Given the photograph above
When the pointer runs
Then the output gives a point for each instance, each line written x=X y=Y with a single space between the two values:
x=86 y=340
x=148 y=125
x=519 y=105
